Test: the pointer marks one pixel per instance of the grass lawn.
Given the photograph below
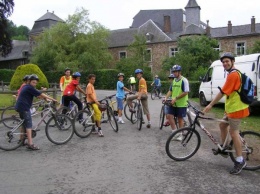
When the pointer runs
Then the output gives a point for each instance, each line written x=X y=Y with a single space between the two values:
x=248 y=123
x=6 y=100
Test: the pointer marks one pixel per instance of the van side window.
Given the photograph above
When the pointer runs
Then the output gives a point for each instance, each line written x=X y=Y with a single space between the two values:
x=208 y=76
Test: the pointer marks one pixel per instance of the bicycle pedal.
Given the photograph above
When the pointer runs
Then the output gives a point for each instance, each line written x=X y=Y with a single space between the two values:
x=215 y=152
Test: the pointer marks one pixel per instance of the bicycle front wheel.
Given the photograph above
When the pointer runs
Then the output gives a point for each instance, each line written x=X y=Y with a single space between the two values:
x=183 y=144
x=59 y=129
x=84 y=126
x=162 y=116
x=153 y=94
x=11 y=138
x=139 y=118
x=112 y=119
x=250 y=150
x=127 y=111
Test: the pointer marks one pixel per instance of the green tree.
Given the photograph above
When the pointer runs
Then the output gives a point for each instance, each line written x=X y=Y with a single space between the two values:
x=6 y=9
x=78 y=43
x=17 y=33
x=195 y=55
x=255 y=48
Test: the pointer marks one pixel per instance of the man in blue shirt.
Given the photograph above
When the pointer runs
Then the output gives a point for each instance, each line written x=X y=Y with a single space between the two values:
x=24 y=103
x=157 y=84
x=120 y=94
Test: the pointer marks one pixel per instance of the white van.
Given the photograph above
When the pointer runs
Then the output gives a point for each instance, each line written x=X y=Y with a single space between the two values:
x=216 y=77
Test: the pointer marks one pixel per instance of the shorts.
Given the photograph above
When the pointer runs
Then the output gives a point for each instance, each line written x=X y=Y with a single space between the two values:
x=26 y=116
x=97 y=112
x=233 y=123
x=144 y=101
x=179 y=112
x=120 y=103
x=166 y=109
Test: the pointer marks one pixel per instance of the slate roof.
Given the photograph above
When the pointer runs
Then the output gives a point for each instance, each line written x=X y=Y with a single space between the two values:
x=157 y=16
x=46 y=21
x=193 y=30
x=192 y=3
x=17 y=52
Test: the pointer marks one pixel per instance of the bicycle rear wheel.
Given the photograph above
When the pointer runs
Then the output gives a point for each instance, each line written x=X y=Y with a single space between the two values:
x=67 y=111
x=183 y=144
x=9 y=112
x=250 y=150
x=83 y=128
x=11 y=139
x=112 y=119
x=59 y=129
x=162 y=116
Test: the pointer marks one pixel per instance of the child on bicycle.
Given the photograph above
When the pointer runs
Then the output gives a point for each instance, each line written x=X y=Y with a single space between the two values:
x=120 y=94
x=92 y=98
x=69 y=93
x=157 y=84
x=23 y=104
x=141 y=95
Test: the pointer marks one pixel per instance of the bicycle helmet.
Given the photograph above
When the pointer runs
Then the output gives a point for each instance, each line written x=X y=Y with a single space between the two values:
x=76 y=74
x=176 y=68
x=67 y=69
x=171 y=76
x=138 y=71
x=33 y=77
x=26 y=77
x=120 y=74
x=102 y=107
x=227 y=55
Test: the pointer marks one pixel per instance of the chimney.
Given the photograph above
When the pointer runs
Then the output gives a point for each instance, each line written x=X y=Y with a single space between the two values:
x=229 y=28
x=167 y=24
x=208 y=29
x=253 y=24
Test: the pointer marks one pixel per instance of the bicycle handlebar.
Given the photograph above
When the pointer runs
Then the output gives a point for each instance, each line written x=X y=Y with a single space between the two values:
x=197 y=112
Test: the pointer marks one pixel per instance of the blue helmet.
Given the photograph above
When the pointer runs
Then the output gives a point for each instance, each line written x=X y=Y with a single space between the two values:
x=171 y=76
x=76 y=74
x=176 y=68
x=138 y=71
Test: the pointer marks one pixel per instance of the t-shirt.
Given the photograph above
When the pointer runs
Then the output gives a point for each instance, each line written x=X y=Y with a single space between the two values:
x=157 y=82
x=70 y=88
x=65 y=81
x=25 y=98
x=120 y=93
x=142 y=85
x=232 y=84
x=91 y=93
x=184 y=85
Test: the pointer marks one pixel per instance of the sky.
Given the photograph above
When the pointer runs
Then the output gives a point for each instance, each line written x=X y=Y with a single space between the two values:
x=118 y=14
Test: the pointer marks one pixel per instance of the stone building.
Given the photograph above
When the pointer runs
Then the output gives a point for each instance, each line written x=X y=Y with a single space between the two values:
x=162 y=28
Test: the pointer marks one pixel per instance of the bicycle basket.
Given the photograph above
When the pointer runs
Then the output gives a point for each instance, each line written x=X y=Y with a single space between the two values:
x=102 y=107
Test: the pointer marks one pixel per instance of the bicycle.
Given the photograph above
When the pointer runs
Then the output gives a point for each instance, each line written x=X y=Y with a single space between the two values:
x=155 y=93
x=187 y=120
x=127 y=111
x=137 y=115
x=59 y=129
x=86 y=125
x=190 y=143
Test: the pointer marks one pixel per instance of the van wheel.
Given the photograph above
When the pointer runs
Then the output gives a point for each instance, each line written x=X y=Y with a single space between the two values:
x=203 y=101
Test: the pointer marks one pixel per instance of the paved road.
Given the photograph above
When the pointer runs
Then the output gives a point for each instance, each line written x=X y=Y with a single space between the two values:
x=129 y=161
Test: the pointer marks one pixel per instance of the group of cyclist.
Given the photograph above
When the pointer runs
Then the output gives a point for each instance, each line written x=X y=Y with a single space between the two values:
x=178 y=91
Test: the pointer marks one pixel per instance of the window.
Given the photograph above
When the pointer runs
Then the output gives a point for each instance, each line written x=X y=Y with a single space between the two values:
x=173 y=51
x=217 y=48
x=148 y=55
x=240 y=48
x=122 y=54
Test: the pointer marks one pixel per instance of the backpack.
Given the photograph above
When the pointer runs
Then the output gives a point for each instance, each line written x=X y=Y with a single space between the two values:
x=247 y=88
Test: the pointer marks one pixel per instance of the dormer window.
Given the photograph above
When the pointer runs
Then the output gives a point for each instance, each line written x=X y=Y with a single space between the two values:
x=149 y=37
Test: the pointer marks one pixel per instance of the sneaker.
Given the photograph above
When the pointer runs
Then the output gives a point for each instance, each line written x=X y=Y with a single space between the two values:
x=177 y=137
x=32 y=147
x=121 y=122
x=166 y=124
x=238 y=167
x=100 y=133
x=132 y=110
x=148 y=125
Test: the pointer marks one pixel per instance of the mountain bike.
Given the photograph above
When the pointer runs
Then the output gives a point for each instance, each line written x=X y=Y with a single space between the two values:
x=137 y=115
x=184 y=149
x=127 y=112
x=59 y=129
x=187 y=119
x=155 y=93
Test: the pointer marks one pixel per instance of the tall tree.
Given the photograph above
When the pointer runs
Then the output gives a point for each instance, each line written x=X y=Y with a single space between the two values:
x=255 y=48
x=78 y=43
x=6 y=9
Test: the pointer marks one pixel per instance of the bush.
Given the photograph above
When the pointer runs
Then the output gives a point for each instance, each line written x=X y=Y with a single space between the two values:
x=6 y=74
x=194 y=89
x=27 y=69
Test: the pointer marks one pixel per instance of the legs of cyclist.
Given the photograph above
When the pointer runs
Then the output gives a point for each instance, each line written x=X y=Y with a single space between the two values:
x=68 y=99
x=144 y=101
x=97 y=118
